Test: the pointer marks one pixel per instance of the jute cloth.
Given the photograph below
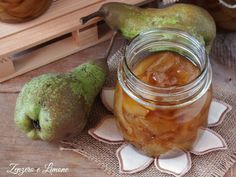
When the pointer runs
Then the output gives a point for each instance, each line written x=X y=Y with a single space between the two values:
x=214 y=164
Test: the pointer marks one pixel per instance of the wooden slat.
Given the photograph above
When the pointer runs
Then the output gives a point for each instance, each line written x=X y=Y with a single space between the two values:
x=57 y=9
x=49 y=30
x=6 y=67
x=86 y=36
x=49 y=54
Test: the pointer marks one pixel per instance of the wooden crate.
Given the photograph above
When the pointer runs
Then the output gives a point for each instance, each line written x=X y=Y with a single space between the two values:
x=63 y=17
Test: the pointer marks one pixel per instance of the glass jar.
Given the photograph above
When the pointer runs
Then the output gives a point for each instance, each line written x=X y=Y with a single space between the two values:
x=223 y=12
x=16 y=11
x=162 y=120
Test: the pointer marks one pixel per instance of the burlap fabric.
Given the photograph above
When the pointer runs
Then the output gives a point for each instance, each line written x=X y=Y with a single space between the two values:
x=214 y=164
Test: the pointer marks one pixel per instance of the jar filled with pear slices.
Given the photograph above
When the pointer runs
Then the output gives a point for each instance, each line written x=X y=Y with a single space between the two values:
x=164 y=92
x=17 y=11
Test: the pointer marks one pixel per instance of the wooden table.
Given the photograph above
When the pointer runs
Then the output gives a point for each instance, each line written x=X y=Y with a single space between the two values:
x=16 y=148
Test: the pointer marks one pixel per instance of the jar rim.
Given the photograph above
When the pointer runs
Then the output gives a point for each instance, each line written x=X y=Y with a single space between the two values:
x=182 y=33
x=141 y=91
x=226 y=4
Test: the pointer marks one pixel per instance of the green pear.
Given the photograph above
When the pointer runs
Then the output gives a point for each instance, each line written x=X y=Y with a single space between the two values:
x=131 y=20
x=53 y=107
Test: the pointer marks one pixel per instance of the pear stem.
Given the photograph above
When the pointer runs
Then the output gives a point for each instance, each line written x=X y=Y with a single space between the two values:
x=108 y=52
x=85 y=19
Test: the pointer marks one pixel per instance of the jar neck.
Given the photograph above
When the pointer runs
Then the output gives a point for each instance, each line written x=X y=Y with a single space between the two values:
x=164 y=40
